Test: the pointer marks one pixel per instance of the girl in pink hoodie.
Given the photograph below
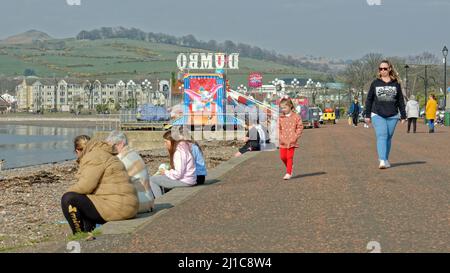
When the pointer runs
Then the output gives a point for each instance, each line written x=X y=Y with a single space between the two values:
x=182 y=167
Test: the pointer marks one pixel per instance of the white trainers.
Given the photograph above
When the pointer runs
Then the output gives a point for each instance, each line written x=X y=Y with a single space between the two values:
x=382 y=164
x=387 y=164
x=287 y=176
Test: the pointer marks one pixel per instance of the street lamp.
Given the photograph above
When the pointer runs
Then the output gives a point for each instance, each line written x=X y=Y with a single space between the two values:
x=310 y=84
x=242 y=89
x=147 y=86
x=278 y=86
x=426 y=82
x=445 y=53
x=89 y=90
x=318 y=87
x=120 y=93
x=294 y=84
x=406 y=82
x=181 y=88
x=132 y=86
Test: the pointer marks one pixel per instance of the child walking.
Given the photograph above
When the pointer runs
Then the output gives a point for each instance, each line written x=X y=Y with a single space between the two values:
x=290 y=127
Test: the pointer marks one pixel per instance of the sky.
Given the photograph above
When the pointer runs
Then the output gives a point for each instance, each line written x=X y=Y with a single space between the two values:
x=342 y=29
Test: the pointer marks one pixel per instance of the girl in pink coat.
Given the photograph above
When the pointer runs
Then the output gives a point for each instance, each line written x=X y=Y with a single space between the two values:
x=290 y=127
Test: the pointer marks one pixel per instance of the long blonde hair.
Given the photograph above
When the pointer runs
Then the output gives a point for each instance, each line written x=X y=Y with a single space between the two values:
x=393 y=74
x=173 y=146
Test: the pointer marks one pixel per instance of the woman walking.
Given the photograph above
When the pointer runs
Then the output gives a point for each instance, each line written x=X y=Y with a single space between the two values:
x=412 y=112
x=384 y=102
x=430 y=112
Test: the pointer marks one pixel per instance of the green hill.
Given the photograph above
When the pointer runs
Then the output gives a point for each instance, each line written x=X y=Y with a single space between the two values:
x=121 y=59
x=27 y=37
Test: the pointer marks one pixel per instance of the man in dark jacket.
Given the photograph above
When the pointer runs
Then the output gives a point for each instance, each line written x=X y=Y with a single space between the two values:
x=354 y=111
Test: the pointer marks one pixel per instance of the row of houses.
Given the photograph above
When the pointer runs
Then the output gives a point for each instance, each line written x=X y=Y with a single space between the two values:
x=65 y=95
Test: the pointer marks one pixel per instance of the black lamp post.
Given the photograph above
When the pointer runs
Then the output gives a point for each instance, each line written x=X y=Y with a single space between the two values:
x=445 y=53
x=406 y=84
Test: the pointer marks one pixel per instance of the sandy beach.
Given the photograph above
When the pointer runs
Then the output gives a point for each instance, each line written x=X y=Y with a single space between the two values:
x=30 y=210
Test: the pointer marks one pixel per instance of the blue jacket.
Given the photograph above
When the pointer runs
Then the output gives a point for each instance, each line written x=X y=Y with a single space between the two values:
x=354 y=109
x=200 y=165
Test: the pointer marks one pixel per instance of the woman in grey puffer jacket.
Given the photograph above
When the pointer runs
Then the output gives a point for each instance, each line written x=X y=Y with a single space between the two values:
x=412 y=112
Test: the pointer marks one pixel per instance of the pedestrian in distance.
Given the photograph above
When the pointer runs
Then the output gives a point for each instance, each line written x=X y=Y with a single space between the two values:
x=430 y=112
x=412 y=113
x=355 y=110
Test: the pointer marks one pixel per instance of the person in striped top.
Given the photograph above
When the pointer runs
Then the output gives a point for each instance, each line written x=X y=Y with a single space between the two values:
x=136 y=168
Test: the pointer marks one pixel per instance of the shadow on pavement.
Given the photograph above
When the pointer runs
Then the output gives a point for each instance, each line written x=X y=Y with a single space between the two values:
x=435 y=132
x=309 y=174
x=211 y=181
x=393 y=165
x=158 y=207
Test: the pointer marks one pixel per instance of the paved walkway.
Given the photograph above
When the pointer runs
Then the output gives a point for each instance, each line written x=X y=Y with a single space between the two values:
x=338 y=201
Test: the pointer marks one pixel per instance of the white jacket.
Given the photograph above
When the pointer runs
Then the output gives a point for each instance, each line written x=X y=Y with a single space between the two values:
x=412 y=109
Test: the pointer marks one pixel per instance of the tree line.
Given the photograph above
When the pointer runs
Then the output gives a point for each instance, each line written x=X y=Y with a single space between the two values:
x=191 y=41
x=359 y=74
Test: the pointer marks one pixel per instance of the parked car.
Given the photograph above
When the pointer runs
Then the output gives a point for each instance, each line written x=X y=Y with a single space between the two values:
x=315 y=117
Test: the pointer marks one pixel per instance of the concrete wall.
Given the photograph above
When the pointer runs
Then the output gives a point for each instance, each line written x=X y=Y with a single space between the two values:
x=139 y=140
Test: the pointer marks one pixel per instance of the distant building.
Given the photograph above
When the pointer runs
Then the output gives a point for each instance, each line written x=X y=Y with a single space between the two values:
x=24 y=94
x=4 y=105
x=75 y=94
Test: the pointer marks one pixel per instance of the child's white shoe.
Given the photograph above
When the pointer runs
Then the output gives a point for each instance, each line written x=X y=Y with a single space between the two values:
x=382 y=165
x=287 y=176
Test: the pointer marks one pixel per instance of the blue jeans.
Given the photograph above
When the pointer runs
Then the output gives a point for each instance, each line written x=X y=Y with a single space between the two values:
x=431 y=124
x=384 y=130
x=158 y=181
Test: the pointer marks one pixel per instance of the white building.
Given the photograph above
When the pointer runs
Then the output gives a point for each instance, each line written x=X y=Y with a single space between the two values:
x=73 y=94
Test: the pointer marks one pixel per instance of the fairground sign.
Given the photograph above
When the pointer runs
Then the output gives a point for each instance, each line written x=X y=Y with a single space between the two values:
x=207 y=61
x=255 y=80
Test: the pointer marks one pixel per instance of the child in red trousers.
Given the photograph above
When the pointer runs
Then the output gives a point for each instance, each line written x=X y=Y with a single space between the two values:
x=290 y=127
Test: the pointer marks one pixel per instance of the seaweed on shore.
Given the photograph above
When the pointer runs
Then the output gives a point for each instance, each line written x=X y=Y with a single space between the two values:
x=42 y=177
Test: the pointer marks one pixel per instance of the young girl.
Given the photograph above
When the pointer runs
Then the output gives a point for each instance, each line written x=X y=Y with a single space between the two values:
x=197 y=154
x=182 y=167
x=290 y=127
